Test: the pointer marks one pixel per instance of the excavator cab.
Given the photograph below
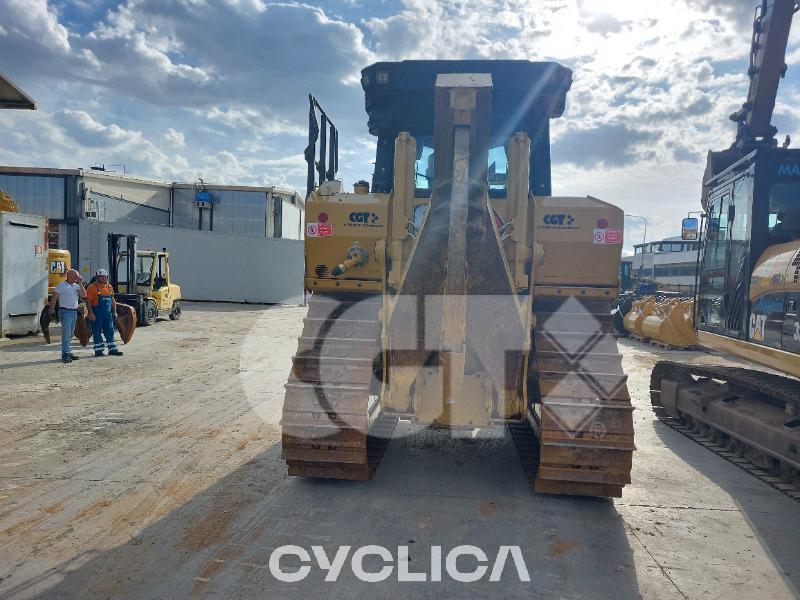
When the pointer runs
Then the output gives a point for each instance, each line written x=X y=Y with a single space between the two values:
x=747 y=266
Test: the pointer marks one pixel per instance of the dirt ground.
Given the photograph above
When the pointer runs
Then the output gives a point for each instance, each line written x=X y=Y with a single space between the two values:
x=157 y=475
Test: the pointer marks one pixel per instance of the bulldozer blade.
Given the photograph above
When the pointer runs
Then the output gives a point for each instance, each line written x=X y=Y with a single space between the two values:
x=125 y=322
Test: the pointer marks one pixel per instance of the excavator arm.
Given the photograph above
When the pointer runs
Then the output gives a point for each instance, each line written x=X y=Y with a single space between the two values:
x=771 y=25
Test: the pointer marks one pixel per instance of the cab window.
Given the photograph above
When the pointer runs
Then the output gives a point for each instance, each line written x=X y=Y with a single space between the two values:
x=423 y=168
x=784 y=211
x=497 y=168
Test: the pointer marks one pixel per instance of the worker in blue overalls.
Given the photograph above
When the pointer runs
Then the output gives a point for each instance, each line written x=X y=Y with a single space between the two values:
x=101 y=311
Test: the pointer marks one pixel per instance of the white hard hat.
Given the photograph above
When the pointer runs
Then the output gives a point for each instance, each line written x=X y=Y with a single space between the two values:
x=101 y=272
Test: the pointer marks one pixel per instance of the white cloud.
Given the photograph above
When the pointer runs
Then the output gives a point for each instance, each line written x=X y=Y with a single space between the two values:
x=654 y=82
x=33 y=20
x=250 y=118
x=173 y=138
x=115 y=144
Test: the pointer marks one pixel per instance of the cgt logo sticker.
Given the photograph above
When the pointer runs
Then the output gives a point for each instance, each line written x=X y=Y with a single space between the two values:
x=373 y=564
x=559 y=220
x=363 y=219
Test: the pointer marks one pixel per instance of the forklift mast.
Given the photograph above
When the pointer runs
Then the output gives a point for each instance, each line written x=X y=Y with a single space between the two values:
x=114 y=255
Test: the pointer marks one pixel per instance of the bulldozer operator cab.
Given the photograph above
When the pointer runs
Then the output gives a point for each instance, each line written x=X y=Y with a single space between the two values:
x=400 y=97
x=749 y=261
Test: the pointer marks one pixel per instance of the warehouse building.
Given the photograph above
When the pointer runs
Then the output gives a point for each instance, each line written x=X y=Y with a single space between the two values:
x=670 y=263
x=68 y=196
x=83 y=205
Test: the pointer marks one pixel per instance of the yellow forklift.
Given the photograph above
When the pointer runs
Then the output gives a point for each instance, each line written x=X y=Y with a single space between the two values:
x=147 y=286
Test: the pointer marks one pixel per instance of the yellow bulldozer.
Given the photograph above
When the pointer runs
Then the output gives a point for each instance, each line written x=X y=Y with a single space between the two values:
x=457 y=293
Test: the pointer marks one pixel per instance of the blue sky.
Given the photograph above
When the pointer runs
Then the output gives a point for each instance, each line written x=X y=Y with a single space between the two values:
x=216 y=89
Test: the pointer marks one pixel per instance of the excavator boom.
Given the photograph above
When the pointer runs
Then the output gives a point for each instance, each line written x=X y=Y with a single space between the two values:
x=767 y=55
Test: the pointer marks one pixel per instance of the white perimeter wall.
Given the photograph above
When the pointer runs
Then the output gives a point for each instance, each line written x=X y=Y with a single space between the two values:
x=209 y=265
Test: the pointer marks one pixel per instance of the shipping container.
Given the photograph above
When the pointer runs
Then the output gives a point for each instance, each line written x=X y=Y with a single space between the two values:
x=23 y=272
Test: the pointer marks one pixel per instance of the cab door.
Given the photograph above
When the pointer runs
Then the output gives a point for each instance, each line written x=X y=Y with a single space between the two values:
x=714 y=266
x=164 y=288
x=724 y=276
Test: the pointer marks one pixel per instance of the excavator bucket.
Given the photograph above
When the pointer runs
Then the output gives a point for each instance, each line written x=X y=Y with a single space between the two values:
x=125 y=322
x=641 y=309
x=81 y=329
x=45 y=318
x=671 y=323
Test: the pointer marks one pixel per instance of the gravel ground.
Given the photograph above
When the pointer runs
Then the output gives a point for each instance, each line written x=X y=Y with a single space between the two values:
x=157 y=475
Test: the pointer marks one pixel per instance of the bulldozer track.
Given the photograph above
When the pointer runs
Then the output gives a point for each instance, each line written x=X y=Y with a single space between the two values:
x=582 y=443
x=781 y=389
x=585 y=421
x=332 y=426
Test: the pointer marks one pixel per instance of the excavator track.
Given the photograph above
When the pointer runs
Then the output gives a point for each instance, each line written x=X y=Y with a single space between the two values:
x=332 y=425
x=777 y=392
x=584 y=420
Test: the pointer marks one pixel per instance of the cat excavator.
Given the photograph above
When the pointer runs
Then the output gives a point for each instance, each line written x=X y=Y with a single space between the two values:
x=457 y=292
x=748 y=294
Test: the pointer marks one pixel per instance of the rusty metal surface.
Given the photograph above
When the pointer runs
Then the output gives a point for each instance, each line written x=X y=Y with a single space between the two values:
x=585 y=420
x=81 y=330
x=125 y=322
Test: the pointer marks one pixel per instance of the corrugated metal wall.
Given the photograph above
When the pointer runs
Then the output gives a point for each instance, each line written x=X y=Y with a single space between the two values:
x=235 y=212
x=36 y=194
x=114 y=209
x=210 y=266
